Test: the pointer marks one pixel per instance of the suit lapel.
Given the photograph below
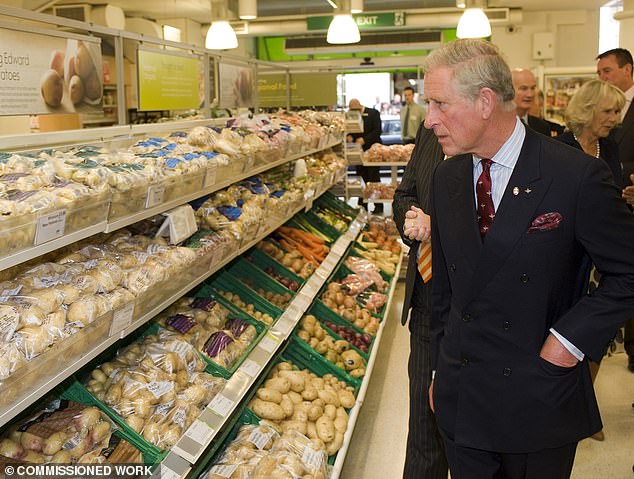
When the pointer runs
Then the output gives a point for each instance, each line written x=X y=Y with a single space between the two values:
x=514 y=214
x=462 y=208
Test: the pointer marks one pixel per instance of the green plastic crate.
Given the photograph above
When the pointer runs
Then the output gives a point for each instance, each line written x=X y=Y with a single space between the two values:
x=216 y=369
x=330 y=200
x=323 y=313
x=250 y=266
x=241 y=270
x=340 y=272
x=320 y=224
x=78 y=393
x=227 y=282
x=229 y=433
x=263 y=260
x=209 y=291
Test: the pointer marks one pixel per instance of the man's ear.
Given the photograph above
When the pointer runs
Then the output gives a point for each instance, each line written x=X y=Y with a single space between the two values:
x=487 y=101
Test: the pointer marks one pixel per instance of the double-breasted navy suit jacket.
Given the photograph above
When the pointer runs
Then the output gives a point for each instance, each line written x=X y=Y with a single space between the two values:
x=494 y=302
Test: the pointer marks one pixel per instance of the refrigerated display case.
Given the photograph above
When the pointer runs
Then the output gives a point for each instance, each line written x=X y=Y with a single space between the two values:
x=559 y=85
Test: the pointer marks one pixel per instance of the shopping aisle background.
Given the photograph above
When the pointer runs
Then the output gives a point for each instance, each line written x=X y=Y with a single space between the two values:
x=378 y=445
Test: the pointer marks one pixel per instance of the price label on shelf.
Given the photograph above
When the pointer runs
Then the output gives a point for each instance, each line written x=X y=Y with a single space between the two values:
x=155 y=196
x=250 y=367
x=268 y=343
x=221 y=405
x=201 y=432
x=166 y=473
x=309 y=197
x=122 y=318
x=223 y=470
x=210 y=177
x=285 y=325
x=303 y=301
x=330 y=262
x=50 y=226
x=180 y=224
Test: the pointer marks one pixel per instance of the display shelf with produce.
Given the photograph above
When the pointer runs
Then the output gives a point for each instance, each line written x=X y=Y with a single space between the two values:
x=102 y=334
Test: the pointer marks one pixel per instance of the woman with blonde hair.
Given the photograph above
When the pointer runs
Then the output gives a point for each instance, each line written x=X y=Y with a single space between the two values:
x=590 y=116
x=591 y=113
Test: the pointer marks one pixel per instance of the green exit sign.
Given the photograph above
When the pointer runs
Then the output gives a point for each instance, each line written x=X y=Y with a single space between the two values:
x=364 y=20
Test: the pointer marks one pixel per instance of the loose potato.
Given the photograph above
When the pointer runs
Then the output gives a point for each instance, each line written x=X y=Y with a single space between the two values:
x=346 y=398
x=296 y=378
x=315 y=412
x=335 y=445
x=287 y=405
x=283 y=385
x=325 y=428
x=292 y=425
x=295 y=397
x=330 y=411
x=329 y=397
x=268 y=394
x=309 y=394
x=268 y=410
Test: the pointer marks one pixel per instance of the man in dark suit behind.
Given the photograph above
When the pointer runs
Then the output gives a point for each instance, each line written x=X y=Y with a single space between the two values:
x=516 y=220
x=425 y=456
x=525 y=85
x=615 y=66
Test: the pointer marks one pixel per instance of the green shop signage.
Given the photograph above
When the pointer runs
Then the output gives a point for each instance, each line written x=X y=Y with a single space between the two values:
x=364 y=20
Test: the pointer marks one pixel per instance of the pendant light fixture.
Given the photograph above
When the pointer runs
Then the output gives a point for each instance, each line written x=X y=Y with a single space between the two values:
x=343 y=29
x=220 y=35
x=248 y=9
x=474 y=22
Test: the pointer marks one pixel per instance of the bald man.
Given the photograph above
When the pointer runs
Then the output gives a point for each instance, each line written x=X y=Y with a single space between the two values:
x=525 y=85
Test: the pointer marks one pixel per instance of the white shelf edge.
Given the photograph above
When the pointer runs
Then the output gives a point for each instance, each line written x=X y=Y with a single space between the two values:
x=39 y=250
x=158 y=209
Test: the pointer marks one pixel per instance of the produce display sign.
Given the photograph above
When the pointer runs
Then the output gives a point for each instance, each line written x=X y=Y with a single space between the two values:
x=42 y=74
x=307 y=89
x=167 y=81
x=236 y=84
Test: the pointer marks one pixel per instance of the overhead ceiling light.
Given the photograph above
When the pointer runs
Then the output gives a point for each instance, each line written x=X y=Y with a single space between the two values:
x=343 y=29
x=473 y=23
x=220 y=35
x=356 y=6
x=460 y=4
x=248 y=9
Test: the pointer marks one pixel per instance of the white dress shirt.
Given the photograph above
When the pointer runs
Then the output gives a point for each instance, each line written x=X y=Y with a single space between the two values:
x=504 y=162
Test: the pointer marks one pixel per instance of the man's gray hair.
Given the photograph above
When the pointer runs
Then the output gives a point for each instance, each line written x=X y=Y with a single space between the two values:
x=476 y=64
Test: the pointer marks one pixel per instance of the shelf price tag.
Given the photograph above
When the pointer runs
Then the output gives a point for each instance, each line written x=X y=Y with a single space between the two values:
x=50 y=227
x=210 y=176
x=309 y=196
x=310 y=288
x=304 y=301
x=155 y=196
x=122 y=318
x=201 y=432
x=180 y=224
x=269 y=343
x=339 y=248
x=166 y=473
x=251 y=368
x=221 y=405
x=223 y=470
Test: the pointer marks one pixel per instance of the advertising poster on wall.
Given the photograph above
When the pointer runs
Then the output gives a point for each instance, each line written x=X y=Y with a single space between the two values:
x=306 y=89
x=42 y=74
x=168 y=81
x=237 y=88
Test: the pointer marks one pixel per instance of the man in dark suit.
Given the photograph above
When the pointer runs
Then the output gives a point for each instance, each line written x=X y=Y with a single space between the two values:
x=525 y=84
x=425 y=457
x=516 y=220
x=615 y=66
x=371 y=135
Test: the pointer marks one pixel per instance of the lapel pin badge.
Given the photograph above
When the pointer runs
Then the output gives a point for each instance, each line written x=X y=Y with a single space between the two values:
x=516 y=191
x=528 y=190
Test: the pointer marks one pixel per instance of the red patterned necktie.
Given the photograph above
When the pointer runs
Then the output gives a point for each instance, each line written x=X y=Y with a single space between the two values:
x=486 y=210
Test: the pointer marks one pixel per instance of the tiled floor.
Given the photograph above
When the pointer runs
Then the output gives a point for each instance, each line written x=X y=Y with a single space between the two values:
x=378 y=445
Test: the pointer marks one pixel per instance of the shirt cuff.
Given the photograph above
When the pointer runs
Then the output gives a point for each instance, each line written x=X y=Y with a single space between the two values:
x=433 y=374
x=568 y=345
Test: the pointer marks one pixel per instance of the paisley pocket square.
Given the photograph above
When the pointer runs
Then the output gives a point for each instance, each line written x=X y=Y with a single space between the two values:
x=545 y=222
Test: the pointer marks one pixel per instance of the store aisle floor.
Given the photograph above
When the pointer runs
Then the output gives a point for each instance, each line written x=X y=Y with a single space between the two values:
x=377 y=450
